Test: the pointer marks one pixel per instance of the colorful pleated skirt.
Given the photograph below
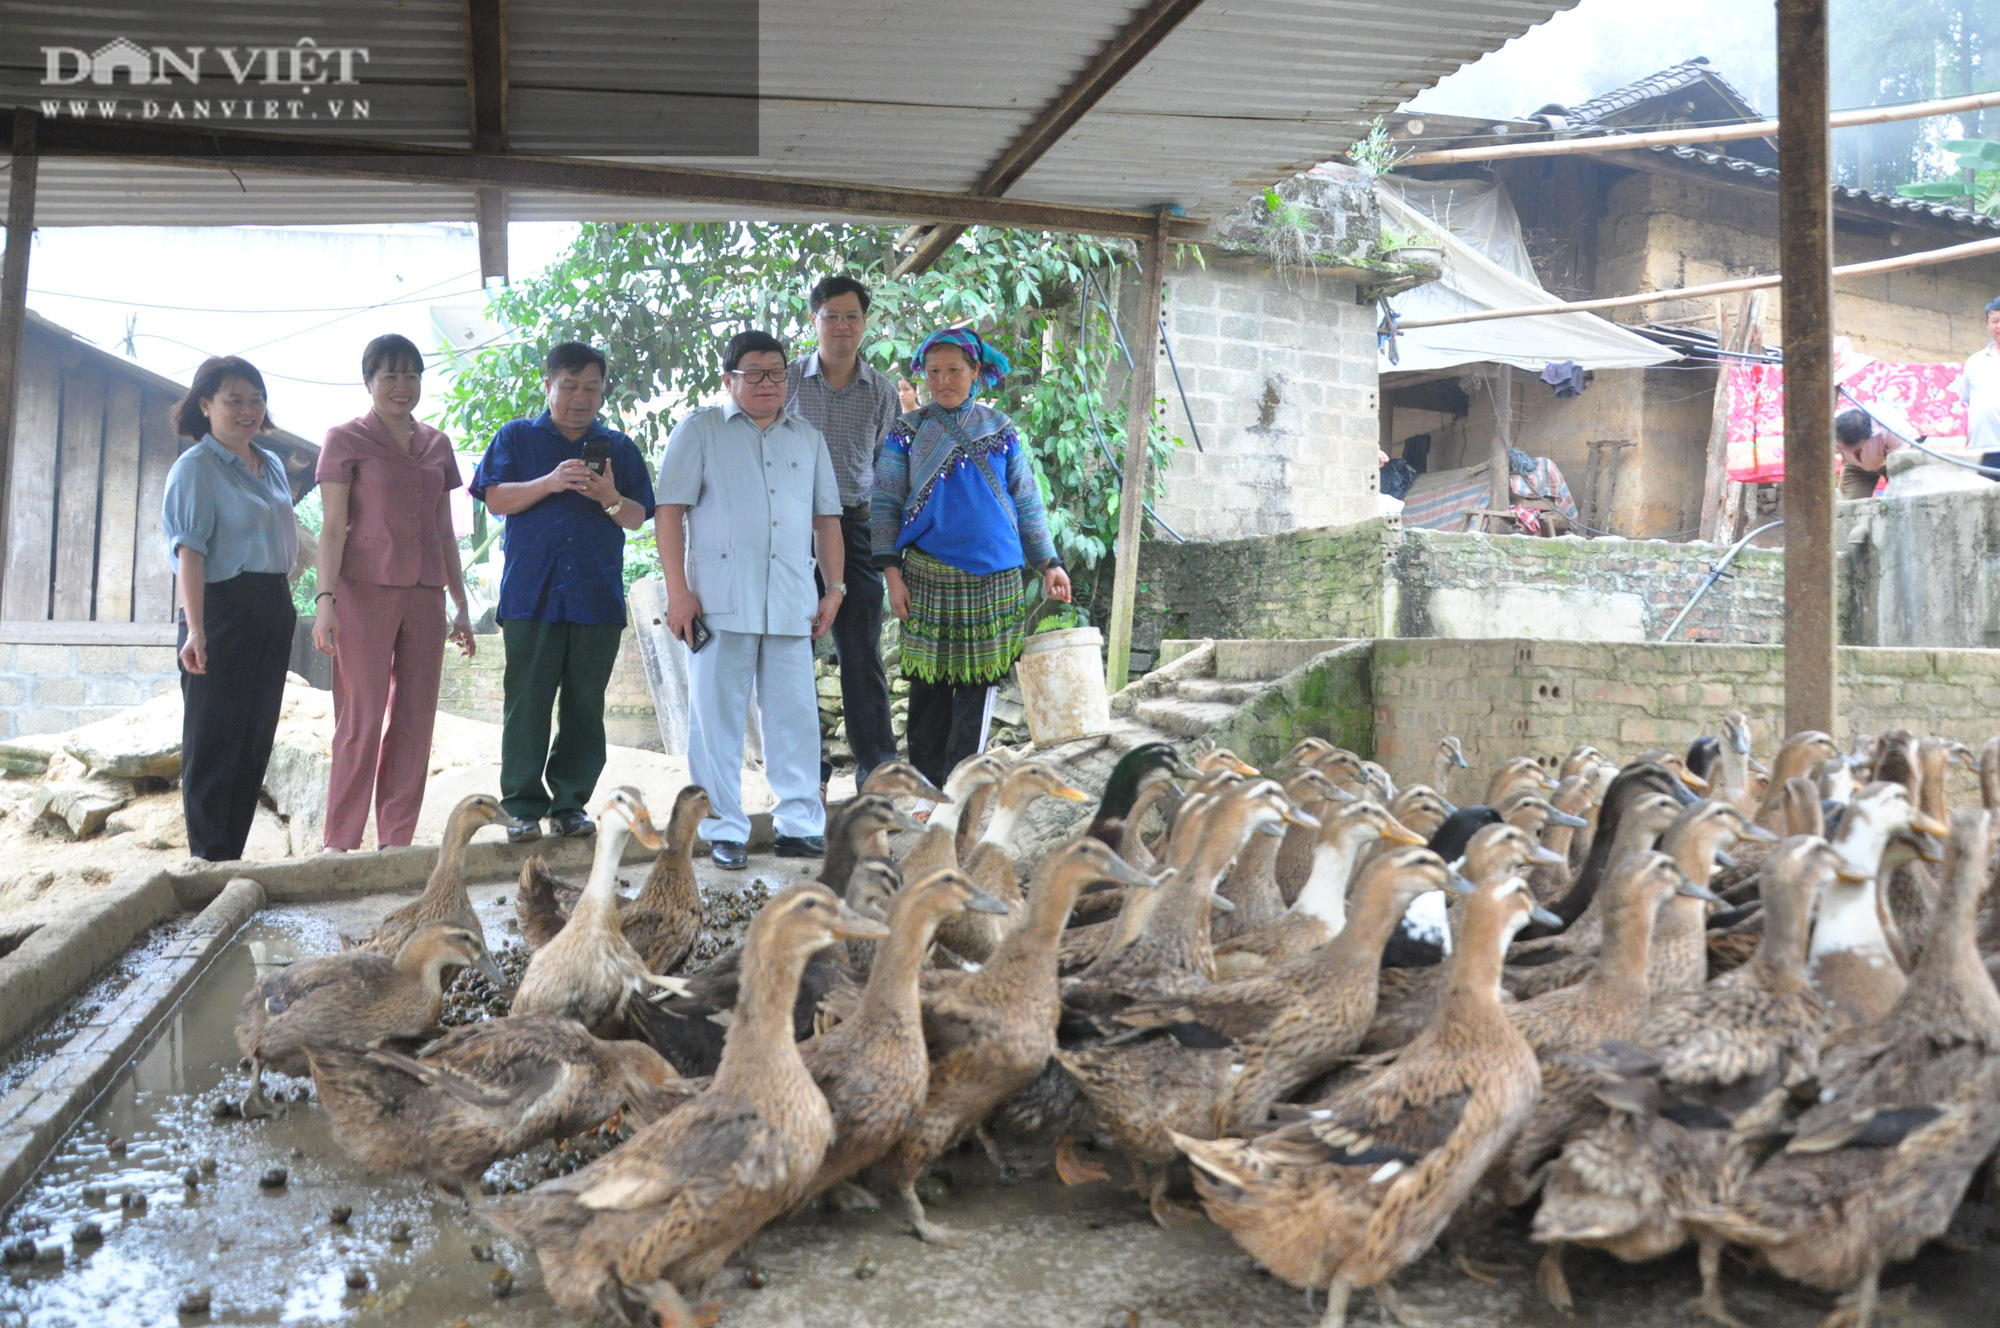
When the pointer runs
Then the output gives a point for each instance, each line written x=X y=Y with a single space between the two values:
x=962 y=628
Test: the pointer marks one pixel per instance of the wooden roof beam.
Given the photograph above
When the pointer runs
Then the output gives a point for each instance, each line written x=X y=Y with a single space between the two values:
x=1120 y=56
x=364 y=159
x=486 y=90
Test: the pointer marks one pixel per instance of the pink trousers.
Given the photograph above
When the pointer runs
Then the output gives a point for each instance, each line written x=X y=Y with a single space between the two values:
x=387 y=660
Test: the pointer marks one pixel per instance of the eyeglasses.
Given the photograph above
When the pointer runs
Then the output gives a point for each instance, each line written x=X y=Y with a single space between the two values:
x=759 y=377
x=844 y=319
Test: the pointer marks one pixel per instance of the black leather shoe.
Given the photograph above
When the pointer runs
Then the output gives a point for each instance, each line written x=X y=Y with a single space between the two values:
x=573 y=822
x=729 y=855
x=801 y=846
x=520 y=830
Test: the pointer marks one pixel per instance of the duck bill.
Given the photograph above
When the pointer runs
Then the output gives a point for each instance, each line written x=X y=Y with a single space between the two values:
x=1398 y=833
x=491 y=972
x=1068 y=794
x=1123 y=871
x=1245 y=769
x=1458 y=885
x=1702 y=892
x=1741 y=742
x=1450 y=809
x=1930 y=825
x=1928 y=849
x=904 y=821
x=1751 y=830
x=1723 y=859
x=1221 y=903
x=849 y=925
x=643 y=831
x=1565 y=819
x=1180 y=769
x=1458 y=761
x=1300 y=817
x=1543 y=917
x=929 y=792
x=1546 y=857
x=981 y=902
x=1849 y=876
x=1692 y=780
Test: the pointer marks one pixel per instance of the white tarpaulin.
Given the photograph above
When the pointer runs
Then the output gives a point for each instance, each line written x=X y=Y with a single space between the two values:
x=1473 y=281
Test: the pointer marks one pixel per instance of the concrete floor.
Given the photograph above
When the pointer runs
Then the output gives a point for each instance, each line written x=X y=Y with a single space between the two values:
x=1036 y=1253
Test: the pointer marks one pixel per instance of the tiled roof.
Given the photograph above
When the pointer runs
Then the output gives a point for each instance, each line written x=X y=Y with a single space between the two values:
x=1716 y=161
x=1686 y=74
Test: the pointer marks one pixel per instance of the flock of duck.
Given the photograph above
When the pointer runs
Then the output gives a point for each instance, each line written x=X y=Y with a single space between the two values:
x=1687 y=999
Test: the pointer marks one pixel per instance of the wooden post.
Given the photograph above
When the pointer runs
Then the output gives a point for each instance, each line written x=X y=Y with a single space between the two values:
x=1805 y=256
x=14 y=296
x=1501 y=379
x=1138 y=425
x=1715 y=481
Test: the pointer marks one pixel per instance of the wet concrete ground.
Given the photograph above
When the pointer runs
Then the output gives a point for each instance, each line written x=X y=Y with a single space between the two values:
x=1036 y=1253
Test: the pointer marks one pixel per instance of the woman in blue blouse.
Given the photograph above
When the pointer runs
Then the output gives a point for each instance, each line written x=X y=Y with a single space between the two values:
x=956 y=513
x=232 y=538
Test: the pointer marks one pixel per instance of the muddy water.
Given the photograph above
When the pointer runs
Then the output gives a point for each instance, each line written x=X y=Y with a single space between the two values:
x=1035 y=1254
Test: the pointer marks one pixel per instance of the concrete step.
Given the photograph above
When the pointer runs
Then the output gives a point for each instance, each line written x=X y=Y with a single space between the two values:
x=1180 y=717
x=1219 y=691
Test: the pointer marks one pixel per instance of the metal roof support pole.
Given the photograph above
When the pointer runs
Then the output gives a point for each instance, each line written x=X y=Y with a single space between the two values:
x=1805 y=256
x=1138 y=429
x=14 y=296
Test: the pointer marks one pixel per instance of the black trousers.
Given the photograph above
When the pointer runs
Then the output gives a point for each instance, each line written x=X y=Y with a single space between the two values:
x=857 y=641
x=947 y=723
x=230 y=714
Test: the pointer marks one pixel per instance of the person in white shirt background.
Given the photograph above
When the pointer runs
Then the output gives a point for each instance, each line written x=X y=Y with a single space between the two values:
x=1981 y=389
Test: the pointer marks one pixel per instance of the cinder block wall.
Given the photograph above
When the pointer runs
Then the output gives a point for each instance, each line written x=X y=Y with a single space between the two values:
x=1540 y=698
x=49 y=688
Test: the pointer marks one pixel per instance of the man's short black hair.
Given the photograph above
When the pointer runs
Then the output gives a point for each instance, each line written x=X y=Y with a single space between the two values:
x=1853 y=427
x=829 y=287
x=574 y=356
x=1992 y=305
x=749 y=343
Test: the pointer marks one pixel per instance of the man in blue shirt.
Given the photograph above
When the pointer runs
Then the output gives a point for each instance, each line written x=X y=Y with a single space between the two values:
x=562 y=588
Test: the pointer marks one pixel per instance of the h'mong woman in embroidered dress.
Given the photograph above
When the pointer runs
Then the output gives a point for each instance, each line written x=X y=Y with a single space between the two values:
x=956 y=514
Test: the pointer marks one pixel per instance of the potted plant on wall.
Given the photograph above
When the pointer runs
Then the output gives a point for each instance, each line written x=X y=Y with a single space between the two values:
x=1061 y=672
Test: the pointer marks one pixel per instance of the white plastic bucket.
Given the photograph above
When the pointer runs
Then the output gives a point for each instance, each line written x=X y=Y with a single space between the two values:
x=1062 y=685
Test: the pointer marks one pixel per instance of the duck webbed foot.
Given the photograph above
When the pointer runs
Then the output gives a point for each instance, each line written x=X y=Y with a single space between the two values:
x=1073 y=1170
x=1480 y=1270
x=1165 y=1211
x=1394 y=1308
x=1857 y=1308
x=1709 y=1304
x=1552 y=1282
x=1008 y=1175
x=929 y=1232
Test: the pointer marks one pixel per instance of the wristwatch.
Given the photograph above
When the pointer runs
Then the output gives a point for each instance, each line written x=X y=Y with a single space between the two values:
x=837 y=588
x=612 y=509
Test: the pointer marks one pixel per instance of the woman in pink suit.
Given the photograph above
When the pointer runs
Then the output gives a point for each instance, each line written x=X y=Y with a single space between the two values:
x=387 y=556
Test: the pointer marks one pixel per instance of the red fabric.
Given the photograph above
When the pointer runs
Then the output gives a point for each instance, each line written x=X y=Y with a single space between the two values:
x=1925 y=394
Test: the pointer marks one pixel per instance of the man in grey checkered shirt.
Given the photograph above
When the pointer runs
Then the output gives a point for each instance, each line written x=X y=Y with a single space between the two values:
x=853 y=405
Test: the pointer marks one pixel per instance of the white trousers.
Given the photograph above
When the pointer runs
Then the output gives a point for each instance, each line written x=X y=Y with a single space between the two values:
x=719 y=681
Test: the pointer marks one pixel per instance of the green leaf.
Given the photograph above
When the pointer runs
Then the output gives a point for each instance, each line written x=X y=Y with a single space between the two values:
x=1934 y=189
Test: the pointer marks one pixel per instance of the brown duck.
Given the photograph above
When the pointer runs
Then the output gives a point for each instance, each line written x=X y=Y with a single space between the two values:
x=483 y=1092
x=1251 y=883
x=975 y=934
x=860 y=830
x=635 y=1232
x=444 y=898
x=1907 y=1111
x=990 y=1033
x=355 y=998
x=1357 y=1191
x=662 y=922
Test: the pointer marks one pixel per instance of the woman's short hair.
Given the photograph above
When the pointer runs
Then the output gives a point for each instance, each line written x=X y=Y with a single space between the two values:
x=1853 y=427
x=189 y=422
x=390 y=351
x=573 y=357
x=752 y=342
x=833 y=287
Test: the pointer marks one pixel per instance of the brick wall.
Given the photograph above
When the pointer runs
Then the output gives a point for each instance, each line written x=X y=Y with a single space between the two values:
x=1376 y=579
x=49 y=688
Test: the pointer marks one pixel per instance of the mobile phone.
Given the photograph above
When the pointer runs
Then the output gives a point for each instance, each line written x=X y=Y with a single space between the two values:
x=597 y=454
x=698 y=635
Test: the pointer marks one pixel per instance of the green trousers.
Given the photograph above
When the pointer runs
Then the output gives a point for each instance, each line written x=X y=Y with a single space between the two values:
x=560 y=667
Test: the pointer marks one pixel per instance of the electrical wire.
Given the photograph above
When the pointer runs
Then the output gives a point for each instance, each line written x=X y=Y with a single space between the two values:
x=1090 y=407
x=329 y=309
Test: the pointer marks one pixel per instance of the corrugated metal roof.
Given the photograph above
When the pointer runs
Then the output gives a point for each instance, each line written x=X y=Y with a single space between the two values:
x=884 y=92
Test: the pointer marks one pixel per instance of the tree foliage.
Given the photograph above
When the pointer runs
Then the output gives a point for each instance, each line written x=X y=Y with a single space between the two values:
x=1913 y=50
x=1976 y=185
x=661 y=299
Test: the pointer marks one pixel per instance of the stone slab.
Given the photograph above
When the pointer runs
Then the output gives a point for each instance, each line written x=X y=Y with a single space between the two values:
x=139 y=743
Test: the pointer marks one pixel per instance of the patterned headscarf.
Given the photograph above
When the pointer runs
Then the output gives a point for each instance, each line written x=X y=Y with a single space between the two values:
x=992 y=365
